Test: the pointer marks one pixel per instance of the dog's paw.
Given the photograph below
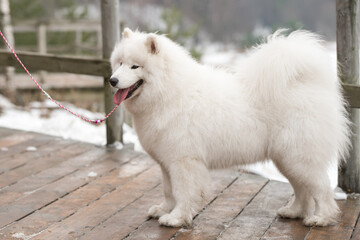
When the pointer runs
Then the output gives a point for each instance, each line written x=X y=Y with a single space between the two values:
x=156 y=211
x=318 y=221
x=173 y=221
x=288 y=212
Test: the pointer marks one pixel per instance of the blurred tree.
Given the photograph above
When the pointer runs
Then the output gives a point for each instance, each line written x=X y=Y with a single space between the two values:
x=25 y=10
x=178 y=30
x=44 y=11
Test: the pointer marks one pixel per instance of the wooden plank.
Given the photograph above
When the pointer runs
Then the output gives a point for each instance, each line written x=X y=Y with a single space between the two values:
x=129 y=218
x=35 y=181
x=110 y=25
x=18 y=155
x=14 y=139
x=136 y=213
x=36 y=200
x=42 y=163
x=214 y=219
x=84 y=196
x=59 y=26
x=7 y=131
x=347 y=39
x=356 y=233
x=90 y=216
x=20 y=148
x=256 y=218
x=350 y=210
x=289 y=229
x=151 y=228
x=52 y=63
x=352 y=94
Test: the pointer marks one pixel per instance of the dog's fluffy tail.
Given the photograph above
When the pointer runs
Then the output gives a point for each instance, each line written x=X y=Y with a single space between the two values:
x=287 y=68
x=283 y=60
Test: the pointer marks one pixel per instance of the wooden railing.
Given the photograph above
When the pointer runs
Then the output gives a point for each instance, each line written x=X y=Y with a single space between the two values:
x=110 y=26
x=52 y=63
x=347 y=46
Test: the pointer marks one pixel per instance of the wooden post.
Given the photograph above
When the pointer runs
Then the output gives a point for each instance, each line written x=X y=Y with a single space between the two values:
x=111 y=35
x=42 y=46
x=347 y=42
x=41 y=37
x=5 y=26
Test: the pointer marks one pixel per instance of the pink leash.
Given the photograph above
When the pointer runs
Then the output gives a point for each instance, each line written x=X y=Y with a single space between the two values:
x=48 y=96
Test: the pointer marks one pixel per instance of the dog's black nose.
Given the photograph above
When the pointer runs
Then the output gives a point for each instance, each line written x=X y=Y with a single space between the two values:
x=113 y=81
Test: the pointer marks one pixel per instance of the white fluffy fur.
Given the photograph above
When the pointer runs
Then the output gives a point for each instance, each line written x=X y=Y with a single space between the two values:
x=282 y=103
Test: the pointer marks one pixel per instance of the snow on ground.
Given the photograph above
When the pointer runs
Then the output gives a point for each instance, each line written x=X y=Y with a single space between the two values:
x=60 y=123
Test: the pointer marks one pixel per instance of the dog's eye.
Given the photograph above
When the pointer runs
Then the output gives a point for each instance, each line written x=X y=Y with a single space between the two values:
x=134 y=67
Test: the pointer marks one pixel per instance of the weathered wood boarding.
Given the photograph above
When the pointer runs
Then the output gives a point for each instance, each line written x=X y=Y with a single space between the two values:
x=52 y=63
x=71 y=190
x=110 y=24
x=347 y=40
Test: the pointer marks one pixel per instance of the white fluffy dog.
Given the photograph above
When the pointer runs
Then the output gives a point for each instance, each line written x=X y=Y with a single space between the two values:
x=283 y=103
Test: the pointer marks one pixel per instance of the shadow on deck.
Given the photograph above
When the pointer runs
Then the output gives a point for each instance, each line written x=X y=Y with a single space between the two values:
x=52 y=188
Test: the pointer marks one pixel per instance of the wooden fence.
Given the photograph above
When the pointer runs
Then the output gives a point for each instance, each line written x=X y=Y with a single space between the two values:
x=78 y=27
x=347 y=39
x=110 y=26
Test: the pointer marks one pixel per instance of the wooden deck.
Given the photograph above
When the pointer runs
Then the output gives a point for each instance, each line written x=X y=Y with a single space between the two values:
x=52 y=188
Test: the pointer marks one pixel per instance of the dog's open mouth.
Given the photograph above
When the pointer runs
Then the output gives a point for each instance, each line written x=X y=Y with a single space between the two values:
x=125 y=93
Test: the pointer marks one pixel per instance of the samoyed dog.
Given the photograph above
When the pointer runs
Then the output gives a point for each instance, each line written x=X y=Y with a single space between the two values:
x=283 y=103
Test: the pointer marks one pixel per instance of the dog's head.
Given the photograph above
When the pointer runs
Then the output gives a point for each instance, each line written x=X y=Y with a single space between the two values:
x=134 y=61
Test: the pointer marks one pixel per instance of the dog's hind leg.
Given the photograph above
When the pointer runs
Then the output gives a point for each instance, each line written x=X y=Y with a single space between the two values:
x=311 y=185
x=189 y=181
x=168 y=204
x=302 y=203
x=326 y=208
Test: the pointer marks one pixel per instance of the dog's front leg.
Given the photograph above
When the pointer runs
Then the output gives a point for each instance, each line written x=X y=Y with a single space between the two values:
x=168 y=204
x=189 y=181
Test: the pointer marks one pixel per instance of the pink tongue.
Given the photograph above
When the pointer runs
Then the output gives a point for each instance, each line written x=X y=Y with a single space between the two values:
x=120 y=95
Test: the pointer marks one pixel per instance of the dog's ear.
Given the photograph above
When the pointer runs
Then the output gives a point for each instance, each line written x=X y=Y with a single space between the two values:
x=152 y=44
x=127 y=33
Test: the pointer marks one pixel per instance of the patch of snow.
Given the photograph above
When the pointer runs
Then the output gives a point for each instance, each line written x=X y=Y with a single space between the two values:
x=5 y=103
x=340 y=196
x=266 y=169
x=4 y=149
x=116 y=145
x=31 y=149
x=19 y=235
x=130 y=136
x=23 y=236
x=60 y=123
x=92 y=174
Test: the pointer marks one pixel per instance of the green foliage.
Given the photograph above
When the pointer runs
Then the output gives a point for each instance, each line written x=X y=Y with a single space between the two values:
x=291 y=25
x=71 y=11
x=25 y=9
x=25 y=39
x=177 y=30
x=250 y=40
x=59 y=38
x=35 y=9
